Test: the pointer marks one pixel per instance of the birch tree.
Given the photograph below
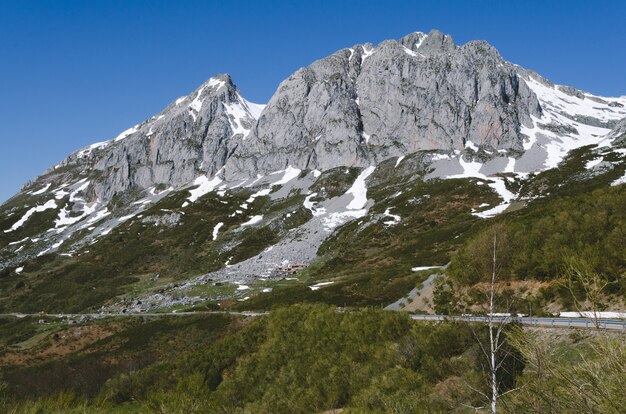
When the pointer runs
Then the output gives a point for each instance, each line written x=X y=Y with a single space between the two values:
x=495 y=249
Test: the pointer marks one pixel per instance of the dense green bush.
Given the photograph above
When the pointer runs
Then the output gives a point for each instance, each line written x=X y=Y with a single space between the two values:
x=308 y=358
x=312 y=358
x=536 y=243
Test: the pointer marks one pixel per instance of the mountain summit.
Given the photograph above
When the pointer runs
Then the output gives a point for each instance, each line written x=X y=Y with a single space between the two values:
x=365 y=104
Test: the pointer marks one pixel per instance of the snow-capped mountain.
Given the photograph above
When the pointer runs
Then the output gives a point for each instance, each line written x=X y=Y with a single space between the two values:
x=361 y=120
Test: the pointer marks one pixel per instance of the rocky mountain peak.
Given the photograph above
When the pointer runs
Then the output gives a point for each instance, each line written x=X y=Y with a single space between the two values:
x=368 y=103
x=412 y=41
x=191 y=137
x=436 y=43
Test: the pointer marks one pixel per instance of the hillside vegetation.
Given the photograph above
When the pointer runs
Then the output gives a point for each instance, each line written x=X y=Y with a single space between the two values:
x=314 y=358
x=544 y=242
x=309 y=358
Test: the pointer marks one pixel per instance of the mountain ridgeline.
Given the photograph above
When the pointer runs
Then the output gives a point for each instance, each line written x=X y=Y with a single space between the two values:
x=366 y=104
x=371 y=162
x=437 y=96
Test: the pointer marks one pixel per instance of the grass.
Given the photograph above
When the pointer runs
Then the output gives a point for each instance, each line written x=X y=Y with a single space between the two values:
x=133 y=344
x=122 y=263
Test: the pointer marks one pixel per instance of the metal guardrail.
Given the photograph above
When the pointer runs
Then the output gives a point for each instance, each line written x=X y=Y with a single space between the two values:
x=586 y=323
x=609 y=324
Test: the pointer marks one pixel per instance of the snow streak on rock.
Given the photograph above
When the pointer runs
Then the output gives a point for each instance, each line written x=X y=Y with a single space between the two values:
x=48 y=205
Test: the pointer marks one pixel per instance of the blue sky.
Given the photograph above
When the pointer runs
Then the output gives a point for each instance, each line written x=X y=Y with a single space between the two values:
x=77 y=72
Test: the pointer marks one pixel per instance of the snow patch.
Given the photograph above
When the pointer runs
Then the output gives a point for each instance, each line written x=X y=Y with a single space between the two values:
x=421 y=36
x=470 y=145
x=216 y=230
x=258 y=177
x=43 y=190
x=289 y=174
x=240 y=111
x=359 y=190
x=557 y=100
x=409 y=51
x=366 y=54
x=125 y=218
x=64 y=219
x=236 y=113
x=50 y=204
x=337 y=219
x=260 y=193
x=253 y=220
x=592 y=163
x=472 y=170
x=619 y=181
x=126 y=133
x=216 y=83
x=555 y=104
x=97 y=217
x=59 y=194
x=254 y=109
x=590 y=314
x=319 y=285
x=196 y=105
x=420 y=268
x=310 y=205
x=204 y=186
x=19 y=241
x=395 y=219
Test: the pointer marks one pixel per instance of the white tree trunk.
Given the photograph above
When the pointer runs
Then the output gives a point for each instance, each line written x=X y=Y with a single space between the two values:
x=493 y=346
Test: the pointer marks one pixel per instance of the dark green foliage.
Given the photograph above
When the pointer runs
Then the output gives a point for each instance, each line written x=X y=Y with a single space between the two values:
x=335 y=182
x=540 y=238
x=13 y=331
x=358 y=290
x=300 y=359
x=116 y=263
x=571 y=178
x=133 y=344
x=580 y=374
x=305 y=359
x=444 y=299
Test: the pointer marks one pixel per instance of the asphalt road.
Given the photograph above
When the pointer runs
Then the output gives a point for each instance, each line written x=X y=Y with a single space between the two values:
x=584 y=323
x=128 y=314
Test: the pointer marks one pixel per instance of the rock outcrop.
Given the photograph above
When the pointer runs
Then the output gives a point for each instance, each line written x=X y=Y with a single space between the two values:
x=191 y=137
x=365 y=104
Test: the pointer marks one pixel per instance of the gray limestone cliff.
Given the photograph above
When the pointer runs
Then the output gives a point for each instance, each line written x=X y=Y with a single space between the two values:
x=365 y=104
x=619 y=133
x=191 y=137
